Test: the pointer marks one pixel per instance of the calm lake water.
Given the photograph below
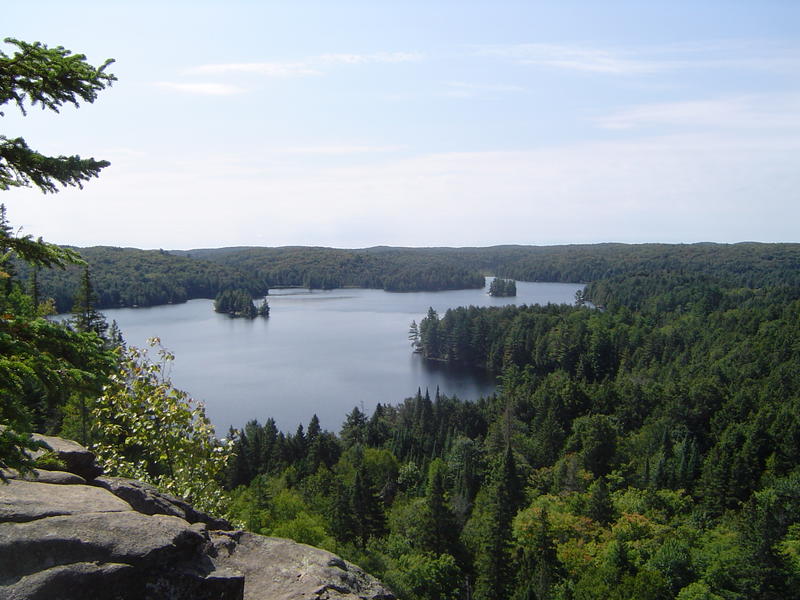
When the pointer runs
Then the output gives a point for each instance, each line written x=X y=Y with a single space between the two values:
x=320 y=352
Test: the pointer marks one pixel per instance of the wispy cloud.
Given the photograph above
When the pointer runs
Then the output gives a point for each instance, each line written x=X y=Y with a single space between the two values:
x=572 y=57
x=309 y=66
x=777 y=111
x=205 y=89
x=649 y=59
x=378 y=57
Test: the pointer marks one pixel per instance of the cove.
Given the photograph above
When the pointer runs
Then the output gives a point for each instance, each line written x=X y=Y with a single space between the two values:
x=320 y=352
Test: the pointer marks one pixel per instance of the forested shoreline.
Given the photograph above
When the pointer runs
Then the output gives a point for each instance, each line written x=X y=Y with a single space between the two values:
x=127 y=277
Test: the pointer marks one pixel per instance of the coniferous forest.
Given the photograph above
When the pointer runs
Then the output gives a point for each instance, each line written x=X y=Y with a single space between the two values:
x=646 y=449
x=131 y=277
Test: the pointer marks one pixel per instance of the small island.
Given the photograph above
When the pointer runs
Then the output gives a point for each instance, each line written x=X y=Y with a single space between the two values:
x=502 y=287
x=239 y=303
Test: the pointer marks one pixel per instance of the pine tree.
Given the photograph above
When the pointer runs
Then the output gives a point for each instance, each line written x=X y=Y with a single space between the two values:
x=439 y=522
x=85 y=316
x=538 y=568
x=413 y=336
x=49 y=77
x=599 y=507
x=493 y=564
x=354 y=430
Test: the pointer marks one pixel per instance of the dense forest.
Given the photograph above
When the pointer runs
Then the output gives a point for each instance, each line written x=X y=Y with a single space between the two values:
x=648 y=449
x=130 y=277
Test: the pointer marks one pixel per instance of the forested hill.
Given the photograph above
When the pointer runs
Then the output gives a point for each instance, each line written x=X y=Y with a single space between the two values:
x=742 y=264
x=395 y=270
x=131 y=277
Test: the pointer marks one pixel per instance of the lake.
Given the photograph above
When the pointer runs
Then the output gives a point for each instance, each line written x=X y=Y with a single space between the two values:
x=320 y=352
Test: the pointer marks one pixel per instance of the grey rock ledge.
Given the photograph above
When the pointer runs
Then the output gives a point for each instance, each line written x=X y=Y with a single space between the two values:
x=76 y=536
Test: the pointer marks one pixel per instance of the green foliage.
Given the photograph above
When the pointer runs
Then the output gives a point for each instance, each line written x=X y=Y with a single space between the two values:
x=86 y=317
x=658 y=439
x=237 y=303
x=50 y=78
x=502 y=287
x=42 y=364
x=130 y=277
x=425 y=577
x=148 y=430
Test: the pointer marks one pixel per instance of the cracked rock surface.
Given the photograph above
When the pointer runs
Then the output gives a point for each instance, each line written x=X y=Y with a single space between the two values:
x=74 y=535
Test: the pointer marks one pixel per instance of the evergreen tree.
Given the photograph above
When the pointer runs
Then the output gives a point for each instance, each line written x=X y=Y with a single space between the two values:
x=439 y=524
x=354 y=430
x=238 y=303
x=538 y=568
x=493 y=563
x=85 y=316
x=413 y=336
x=599 y=507
x=366 y=507
x=49 y=77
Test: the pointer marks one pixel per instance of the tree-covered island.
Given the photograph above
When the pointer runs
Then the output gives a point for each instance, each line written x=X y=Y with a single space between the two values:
x=503 y=287
x=239 y=303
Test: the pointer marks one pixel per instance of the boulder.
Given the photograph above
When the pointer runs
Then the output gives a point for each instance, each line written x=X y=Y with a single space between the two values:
x=280 y=569
x=22 y=501
x=61 y=477
x=78 y=541
x=147 y=499
x=78 y=460
x=121 y=539
x=96 y=581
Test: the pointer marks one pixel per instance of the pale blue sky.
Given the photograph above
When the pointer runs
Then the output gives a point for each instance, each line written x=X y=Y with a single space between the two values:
x=353 y=124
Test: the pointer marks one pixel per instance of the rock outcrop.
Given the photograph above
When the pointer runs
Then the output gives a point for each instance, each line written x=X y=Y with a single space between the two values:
x=75 y=535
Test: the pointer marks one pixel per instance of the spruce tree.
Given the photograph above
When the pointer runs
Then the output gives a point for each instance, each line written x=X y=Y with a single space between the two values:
x=599 y=507
x=85 y=316
x=439 y=522
x=50 y=78
x=493 y=564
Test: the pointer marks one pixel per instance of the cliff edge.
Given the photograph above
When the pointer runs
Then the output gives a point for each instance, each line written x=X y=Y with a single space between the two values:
x=74 y=534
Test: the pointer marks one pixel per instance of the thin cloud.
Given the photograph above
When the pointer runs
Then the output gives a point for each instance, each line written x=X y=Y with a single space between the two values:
x=378 y=57
x=573 y=57
x=779 y=111
x=204 y=89
x=306 y=67
x=647 y=60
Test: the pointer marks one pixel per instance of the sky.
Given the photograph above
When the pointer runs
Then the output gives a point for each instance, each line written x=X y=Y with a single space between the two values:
x=436 y=123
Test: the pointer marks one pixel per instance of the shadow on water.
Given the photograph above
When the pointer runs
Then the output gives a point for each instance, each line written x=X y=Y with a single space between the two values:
x=467 y=383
